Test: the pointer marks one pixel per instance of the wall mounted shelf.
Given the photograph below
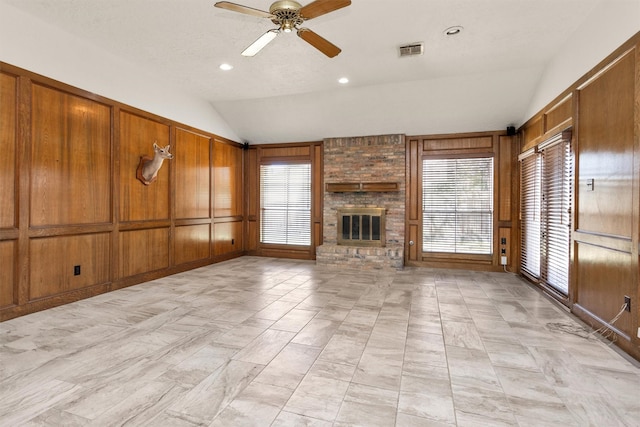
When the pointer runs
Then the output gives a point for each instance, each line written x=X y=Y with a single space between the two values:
x=361 y=187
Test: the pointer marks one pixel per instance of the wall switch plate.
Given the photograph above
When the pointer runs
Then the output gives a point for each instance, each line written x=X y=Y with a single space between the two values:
x=503 y=260
x=638 y=331
x=590 y=184
x=76 y=270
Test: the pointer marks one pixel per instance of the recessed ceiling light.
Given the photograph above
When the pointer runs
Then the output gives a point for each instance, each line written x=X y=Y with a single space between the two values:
x=226 y=67
x=452 y=31
x=343 y=80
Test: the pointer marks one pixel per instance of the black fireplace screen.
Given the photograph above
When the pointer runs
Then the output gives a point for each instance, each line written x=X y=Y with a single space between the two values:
x=361 y=226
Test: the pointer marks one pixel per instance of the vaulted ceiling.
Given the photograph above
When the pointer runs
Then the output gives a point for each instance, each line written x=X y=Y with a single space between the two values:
x=480 y=79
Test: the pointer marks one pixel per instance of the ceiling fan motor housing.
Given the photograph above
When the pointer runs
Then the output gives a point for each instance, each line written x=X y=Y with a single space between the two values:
x=287 y=14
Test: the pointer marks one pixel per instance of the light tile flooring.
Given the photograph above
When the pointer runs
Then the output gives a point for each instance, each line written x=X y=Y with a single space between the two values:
x=269 y=342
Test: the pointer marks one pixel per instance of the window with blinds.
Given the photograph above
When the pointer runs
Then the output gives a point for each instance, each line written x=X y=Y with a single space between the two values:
x=530 y=213
x=557 y=186
x=457 y=205
x=546 y=188
x=285 y=204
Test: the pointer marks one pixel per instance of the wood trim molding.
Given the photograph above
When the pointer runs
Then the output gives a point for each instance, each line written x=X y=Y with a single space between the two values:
x=361 y=187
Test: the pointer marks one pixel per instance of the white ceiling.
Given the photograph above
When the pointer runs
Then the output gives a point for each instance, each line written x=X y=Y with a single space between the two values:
x=481 y=79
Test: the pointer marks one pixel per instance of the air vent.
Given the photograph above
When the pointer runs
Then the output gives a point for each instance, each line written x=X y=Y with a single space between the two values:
x=412 y=49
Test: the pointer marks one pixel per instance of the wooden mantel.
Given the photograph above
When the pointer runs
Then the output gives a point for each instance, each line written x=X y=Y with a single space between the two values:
x=361 y=187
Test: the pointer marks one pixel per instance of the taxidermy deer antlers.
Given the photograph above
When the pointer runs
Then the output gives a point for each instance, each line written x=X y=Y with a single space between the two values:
x=148 y=167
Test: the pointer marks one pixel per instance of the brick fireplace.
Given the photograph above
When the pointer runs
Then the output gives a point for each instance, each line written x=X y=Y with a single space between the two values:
x=363 y=173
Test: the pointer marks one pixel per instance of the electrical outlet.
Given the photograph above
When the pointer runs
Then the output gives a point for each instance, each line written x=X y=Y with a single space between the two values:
x=76 y=270
x=638 y=331
x=503 y=260
x=503 y=241
x=627 y=301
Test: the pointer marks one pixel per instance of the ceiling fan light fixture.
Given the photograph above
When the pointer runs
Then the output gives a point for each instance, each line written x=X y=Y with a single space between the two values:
x=287 y=26
x=262 y=41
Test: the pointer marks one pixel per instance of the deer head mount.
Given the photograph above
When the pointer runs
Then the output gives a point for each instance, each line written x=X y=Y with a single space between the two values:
x=148 y=167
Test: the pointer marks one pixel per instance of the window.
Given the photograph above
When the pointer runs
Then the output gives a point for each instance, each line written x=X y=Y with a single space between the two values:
x=457 y=205
x=530 y=213
x=545 y=208
x=285 y=204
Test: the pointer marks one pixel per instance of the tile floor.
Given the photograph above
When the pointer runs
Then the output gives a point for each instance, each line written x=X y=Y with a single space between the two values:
x=269 y=342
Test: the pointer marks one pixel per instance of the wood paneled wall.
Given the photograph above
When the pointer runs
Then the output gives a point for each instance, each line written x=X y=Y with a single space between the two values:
x=282 y=153
x=503 y=149
x=8 y=190
x=228 y=201
x=74 y=219
x=603 y=108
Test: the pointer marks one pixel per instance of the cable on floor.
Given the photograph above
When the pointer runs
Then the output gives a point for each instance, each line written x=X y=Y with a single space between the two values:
x=606 y=330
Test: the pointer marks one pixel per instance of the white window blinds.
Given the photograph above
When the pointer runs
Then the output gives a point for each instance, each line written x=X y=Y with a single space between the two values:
x=457 y=205
x=530 y=213
x=557 y=179
x=285 y=204
x=546 y=188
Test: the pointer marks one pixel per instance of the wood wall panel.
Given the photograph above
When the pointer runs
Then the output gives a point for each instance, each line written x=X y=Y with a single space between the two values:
x=603 y=110
x=606 y=144
x=70 y=159
x=413 y=179
x=252 y=236
x=531 y=132
x=317 y=188
x=192 y=157
x=227 y=181
x=52 y=262
x=192 y=243
x=69 y=195
x=414 y=243
x=139 y=202
x=559 y=114
x=278 y=152
x=251 y=196
x=8 y=116
x=458 y=143
x=227 y=237
x=605 y=276
x=252 y=179
x=8 y=294
x=505 y=181
x=143 y=250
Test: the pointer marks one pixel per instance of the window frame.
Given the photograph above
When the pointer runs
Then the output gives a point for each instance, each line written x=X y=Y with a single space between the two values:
x=483 y=258
x=260 y=205
x=555 y=150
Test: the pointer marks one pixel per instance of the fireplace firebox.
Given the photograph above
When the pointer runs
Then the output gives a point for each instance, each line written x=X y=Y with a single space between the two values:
x=361 y=227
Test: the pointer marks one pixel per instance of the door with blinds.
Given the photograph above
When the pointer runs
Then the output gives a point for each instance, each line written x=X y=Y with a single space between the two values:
x=546 y=198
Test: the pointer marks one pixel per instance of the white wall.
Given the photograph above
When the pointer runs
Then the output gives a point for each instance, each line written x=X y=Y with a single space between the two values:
x=34 y=45
x=610 y=24
x=468 y=103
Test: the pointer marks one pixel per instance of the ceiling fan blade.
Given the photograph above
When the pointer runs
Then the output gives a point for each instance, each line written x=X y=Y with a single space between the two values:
x=262 y=41
x=243 y=9
x=322 y=44
x=320 y=7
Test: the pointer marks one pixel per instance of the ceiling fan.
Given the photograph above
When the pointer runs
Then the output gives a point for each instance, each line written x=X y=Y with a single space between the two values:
x=288 y=16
